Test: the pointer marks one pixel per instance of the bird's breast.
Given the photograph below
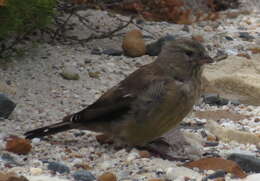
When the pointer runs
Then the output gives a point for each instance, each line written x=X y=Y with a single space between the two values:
x=164 y=114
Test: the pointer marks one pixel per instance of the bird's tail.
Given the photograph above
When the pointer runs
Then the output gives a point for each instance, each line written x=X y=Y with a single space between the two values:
x=49 y=130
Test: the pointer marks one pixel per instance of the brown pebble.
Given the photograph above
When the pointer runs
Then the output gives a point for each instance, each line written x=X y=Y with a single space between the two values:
x=83 y=166
x=219 y=179
x=198 y=38
x=18 y=145
x=257 y=120
x=108 y=176
x=211 y=138
x=133 y=44
x=104 y=139
x=144 y=154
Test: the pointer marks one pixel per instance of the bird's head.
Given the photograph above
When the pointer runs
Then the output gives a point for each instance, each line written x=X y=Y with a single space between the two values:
x=183 y=57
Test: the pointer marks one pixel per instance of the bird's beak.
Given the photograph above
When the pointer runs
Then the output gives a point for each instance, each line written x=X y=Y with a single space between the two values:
x=205 y=60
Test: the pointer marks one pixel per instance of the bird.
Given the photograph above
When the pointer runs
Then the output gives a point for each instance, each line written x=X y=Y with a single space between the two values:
x=146 y=104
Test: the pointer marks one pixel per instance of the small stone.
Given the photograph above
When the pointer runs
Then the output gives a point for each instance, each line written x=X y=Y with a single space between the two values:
x=106 y=164
x=217 y=174
x=186 y=28
x=36 y=171
x=36 y=140
x=96 y=51
x=144 y=154
x=198 y=38
x=83 y=175
x=247 y=162
x=172 y=173
x=156 y=179
x=211 y=144
x=70 y=73
x=229 y=38
x=257 y=120
x=132 y=156
x=133 y=44
x=83 y=166
x=107 y=177
x=214 y=99
x=18 y=145
x=58 y=167
x=246 y=36
x=94 y=75
x=154 y=48
x=6 y=106
x=113 y=52
x=103 y=139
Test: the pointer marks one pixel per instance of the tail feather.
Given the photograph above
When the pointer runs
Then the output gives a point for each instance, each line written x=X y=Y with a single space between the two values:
x=48 y=130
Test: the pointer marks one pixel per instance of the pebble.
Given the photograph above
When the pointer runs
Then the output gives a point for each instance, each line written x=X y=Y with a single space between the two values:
x=58 y=167
x=69 y=72
x=107 y=177
x=133 y=43
x=36 y=140
x=6 y=106
x=113 y=52
x=214 y=99
x=83 y=175
x=245 y=36
x=248 y=163
x=36 y=171
x=132 y=156
x=217 y=174
x=173 y=173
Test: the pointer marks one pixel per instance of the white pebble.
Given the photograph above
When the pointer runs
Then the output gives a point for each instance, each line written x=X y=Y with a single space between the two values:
x=36 y=140
x=173 y=173
x=132 y=156
x=36 y=171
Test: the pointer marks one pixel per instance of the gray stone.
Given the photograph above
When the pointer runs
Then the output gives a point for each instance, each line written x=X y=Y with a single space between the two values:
x=247 y=162
x=58 y=167
x=70 y=73
x=113 y=52
x=6 y=106
x=83 y=175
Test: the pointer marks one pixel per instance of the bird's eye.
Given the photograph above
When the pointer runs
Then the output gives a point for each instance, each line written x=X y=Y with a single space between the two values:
x=189 y=53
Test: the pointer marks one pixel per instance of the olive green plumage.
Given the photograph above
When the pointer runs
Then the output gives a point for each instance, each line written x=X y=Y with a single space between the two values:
x=149 y=102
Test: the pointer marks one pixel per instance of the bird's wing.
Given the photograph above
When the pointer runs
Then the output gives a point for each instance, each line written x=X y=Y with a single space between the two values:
x=118 y=100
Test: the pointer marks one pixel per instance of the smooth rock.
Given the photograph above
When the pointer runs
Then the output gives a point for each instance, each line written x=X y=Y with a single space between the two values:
x=217 y=174
x=6 y=106
x=154 y=48
x=234 y=78
x=246 y=36
x=173 y=173
x=248 y=163
x=113 y=52
x=83 y=175
x=96 y=51
x=35 y=171
x=70 y=73
x=108 y=176
x=58 y=167
x=214 y=99
x=133 y=44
